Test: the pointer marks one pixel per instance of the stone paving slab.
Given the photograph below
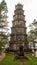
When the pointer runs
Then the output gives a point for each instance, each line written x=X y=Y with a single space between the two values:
x=2 y=56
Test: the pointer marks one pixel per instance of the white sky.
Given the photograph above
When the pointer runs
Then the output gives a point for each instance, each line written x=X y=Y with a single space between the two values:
x=29 y=6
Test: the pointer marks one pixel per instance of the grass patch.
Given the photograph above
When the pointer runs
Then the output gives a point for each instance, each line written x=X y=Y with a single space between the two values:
x=11 y=60
x=32 y=60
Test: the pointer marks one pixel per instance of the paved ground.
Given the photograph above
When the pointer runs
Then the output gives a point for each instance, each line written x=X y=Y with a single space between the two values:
x=22 y=62
x=2 y=56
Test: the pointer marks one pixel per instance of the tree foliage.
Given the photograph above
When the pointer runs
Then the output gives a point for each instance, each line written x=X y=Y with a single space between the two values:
x=3 y=24
x=32 y=34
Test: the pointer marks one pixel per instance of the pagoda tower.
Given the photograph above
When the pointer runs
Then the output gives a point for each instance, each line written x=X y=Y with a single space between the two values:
x=18 y=29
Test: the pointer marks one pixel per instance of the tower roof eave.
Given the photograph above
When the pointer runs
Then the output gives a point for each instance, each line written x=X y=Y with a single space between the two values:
x=20 y=14
x=18 y=20
x=19 y=4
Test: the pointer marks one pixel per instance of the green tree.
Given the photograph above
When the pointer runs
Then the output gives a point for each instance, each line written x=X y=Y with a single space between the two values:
x=3 y=24
x=32 y=34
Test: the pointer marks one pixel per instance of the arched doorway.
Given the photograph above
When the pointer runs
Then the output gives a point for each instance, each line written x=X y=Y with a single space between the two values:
x=21 y=50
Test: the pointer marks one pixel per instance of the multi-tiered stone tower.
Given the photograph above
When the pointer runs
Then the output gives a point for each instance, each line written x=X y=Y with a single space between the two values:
x=18 y=30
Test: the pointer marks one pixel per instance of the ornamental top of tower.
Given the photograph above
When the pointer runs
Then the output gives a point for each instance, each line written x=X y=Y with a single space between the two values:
x=19 y=6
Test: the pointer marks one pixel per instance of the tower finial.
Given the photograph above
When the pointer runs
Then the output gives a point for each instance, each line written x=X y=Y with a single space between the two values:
x=19 y=2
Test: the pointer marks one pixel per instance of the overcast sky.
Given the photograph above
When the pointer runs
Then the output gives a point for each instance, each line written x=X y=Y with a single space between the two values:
x=29 y=6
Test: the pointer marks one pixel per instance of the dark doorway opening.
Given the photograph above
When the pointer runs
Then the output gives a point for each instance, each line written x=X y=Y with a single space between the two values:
x=21 y=49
